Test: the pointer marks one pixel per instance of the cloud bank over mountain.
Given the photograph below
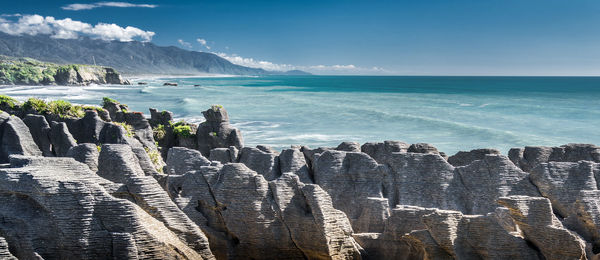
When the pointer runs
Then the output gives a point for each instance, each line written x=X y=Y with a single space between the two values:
x=316 y=69
x=70 y=29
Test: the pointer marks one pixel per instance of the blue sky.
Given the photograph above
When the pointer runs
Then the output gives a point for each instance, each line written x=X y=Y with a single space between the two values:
x=485 y=37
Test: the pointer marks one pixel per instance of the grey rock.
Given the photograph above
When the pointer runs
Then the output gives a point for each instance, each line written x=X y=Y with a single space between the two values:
x=224 y=155
x=4 y=252
x=348 y=147
x=531 y=156
x=534 y=217
x=465 y=158
x=112 y=134
x=264 y=163
x=247 y=217
x=381 y=151
x=88 y=128
x=61 y=139
x=350 y=179
x=40 y=131
x=422 y=148
x=56 y=208
x=293 y=161
x=16 y=139
x=160 y=118
x=485 y=180
x=216 y=132
x=86 y=154
x=182 y=160
x=118 y=163
x=573 y=190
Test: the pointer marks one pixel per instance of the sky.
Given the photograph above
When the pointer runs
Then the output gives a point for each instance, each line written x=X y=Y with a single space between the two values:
x=428 y=37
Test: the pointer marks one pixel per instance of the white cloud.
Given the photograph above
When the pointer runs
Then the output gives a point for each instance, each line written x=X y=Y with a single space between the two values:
x=316 y=69
x=184 y=43
x=77 y=7
x=70 y=29
x=203 y=42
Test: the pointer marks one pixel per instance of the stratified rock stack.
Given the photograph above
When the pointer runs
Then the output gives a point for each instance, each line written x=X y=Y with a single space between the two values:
x=219 y=200
x=216 y=132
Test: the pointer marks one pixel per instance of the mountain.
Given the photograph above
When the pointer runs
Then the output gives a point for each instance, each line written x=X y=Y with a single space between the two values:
x=127 y=57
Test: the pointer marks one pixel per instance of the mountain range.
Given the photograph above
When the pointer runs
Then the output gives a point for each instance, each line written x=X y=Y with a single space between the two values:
x=129 y=58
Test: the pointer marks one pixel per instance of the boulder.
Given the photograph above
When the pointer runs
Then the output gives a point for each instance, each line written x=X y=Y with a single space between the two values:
x=465 y=158
x=224 y=155
x=263 y=162
x=86 y=154
x=40 y=131
x=381 y=151
x=182 y=160
x=293 y=161
x=534 y=217
x=61 y=139
x=216 y=132
x=160 y=118
x=348 y=147
x=16 y=139
x=483 y=181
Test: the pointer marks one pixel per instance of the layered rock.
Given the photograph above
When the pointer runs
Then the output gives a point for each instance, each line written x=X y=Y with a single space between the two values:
x=16 y=138
x=56 y=208
x=531 y=156
x=216 y=132
x=245 y=216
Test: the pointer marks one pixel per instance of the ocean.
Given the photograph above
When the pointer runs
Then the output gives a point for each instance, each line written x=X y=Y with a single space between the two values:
x=452 y=113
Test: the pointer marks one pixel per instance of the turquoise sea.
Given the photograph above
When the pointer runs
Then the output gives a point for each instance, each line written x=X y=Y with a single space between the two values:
x=453 y=113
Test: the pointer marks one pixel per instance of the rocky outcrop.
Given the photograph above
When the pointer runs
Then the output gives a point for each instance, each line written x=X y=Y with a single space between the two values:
x=534 y=218
x=245 y=216
x=465 y=158
x=86 y=75
x=216 y=132
x=217 y=199
x=57 y=208
x=61 y=139
x=40 y=131
x=531 y=156
x=16 y=139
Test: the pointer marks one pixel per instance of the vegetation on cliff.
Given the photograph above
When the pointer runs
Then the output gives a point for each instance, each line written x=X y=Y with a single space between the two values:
x=27 y=71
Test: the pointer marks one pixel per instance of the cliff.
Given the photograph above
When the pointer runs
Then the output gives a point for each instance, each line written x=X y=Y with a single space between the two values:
x=27 y=71
x=109 y=183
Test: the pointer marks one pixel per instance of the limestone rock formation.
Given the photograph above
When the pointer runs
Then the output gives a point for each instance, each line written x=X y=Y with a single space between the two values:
x=86 y=154
x=539 y=225
x=216 y=132
x=465 y=158
x=531 y=156
x=245 y=216
x=40 y=131
x=61 y=139
x=16 y=139
x=56 y=208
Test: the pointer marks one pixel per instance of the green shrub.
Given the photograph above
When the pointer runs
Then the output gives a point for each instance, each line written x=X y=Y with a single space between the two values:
x=182 y=130
x=159 y=132
x=6 y=100
x=106 y=100
x=128 y=128
x=36 y=104
x=216 y=107
x=155 y=158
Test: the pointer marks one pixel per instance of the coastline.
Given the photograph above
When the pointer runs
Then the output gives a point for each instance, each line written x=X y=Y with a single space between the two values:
x=194 y=182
